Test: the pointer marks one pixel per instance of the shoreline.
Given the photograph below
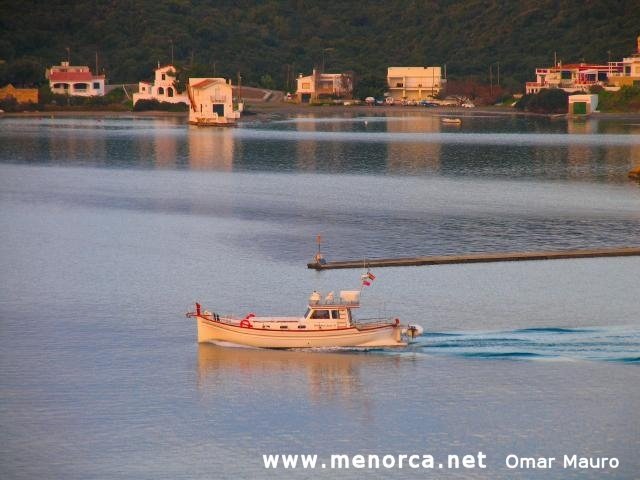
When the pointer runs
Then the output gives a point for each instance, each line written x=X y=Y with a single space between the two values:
x=263 y=111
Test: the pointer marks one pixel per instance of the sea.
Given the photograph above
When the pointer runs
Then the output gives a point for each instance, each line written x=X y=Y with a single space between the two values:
x=113 y=226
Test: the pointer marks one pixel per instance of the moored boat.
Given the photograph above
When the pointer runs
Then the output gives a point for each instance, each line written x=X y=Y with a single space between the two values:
x=451 y=121
x=328 y=322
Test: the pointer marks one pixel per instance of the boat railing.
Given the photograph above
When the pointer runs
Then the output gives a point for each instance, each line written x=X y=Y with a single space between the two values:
x=374 y=322
x=334 y=303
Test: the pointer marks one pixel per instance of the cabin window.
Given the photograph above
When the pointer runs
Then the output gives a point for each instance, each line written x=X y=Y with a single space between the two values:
x=320 y=314
x=335 y=314
x=302 y=326
x=284 y=326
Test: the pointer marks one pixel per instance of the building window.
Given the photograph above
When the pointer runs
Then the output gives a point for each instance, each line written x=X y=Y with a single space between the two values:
x=164 y=76
x=80 y=86
x=160 y=91
x=170 y=92
x=306 y=86
x=399 y=84
x=96 y=85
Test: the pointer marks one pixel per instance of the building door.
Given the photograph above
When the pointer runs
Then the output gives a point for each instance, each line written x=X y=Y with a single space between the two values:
x=580 y=108
x=305 y=97
x=219 y=109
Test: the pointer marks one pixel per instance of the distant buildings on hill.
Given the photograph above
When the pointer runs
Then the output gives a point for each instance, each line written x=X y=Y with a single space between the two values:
x=580 y=77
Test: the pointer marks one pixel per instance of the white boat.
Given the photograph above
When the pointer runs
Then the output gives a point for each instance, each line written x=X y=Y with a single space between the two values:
x=328 y=322
x=452 y=121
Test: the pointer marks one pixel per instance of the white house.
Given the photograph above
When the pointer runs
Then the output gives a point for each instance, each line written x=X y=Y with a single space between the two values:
x=211 y=102
x=627 y=72
x=162 y=89
x=414 y=83
x=75 y=81
x=319 y=85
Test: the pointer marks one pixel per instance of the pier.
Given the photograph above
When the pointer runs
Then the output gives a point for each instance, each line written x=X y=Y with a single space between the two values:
x=477 y=258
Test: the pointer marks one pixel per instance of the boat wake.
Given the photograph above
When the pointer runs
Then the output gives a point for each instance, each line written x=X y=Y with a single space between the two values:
x=611 y=344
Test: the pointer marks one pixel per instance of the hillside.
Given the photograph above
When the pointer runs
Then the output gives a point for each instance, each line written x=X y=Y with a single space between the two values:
x=271 y=41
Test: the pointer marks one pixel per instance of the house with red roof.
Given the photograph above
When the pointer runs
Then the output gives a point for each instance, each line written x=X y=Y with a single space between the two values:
x=75 y=80
x=211 y=102
x=162 y=89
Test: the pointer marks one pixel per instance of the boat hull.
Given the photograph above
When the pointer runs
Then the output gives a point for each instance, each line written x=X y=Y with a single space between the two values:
x=378 y=336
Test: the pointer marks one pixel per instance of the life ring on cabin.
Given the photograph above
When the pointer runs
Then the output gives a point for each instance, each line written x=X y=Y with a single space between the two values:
x=245 y=323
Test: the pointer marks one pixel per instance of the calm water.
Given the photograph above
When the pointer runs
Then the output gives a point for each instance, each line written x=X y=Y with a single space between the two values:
x=110 y=228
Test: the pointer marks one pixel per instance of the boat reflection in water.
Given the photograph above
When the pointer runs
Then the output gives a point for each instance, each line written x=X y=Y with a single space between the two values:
x=317 y=375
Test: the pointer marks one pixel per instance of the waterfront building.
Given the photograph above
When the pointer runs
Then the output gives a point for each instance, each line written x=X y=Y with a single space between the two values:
x=583 y=104
x=318 y=86
x=571 y=78
x=627 y=72
x=582 y=76
x=22 y=95
x=211 y=102
x=77 y=81
x=414 y=83
x=162 y=89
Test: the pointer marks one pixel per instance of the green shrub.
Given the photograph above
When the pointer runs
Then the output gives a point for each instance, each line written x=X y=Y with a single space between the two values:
x=549 y=100
x=150 y=105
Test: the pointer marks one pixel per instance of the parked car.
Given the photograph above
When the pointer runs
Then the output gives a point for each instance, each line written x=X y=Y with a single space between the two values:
x=370 y=100
x=468 y=105
x=389 y=101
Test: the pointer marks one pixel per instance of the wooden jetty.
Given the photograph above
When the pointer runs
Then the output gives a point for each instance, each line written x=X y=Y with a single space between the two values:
x=477 y=258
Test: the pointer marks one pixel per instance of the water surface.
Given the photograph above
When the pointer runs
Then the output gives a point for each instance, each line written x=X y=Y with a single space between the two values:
x=110 y=228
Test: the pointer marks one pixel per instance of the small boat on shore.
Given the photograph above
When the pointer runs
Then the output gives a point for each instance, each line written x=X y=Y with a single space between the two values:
x=451 y=121
x=328 y=322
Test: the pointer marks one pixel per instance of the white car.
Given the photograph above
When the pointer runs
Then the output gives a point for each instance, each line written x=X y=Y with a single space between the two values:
x=468 y=105
x=370 y=100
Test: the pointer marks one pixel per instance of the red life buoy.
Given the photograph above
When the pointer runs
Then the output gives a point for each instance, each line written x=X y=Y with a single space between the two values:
x=245 y=323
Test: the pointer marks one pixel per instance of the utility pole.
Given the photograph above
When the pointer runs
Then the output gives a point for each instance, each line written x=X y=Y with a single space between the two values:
x=491 y=79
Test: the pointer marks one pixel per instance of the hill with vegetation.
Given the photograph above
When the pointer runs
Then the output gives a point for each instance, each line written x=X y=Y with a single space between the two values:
x=270 y=42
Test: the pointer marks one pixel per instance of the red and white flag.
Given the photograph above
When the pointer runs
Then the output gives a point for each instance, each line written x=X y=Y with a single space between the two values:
x=367 y=278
